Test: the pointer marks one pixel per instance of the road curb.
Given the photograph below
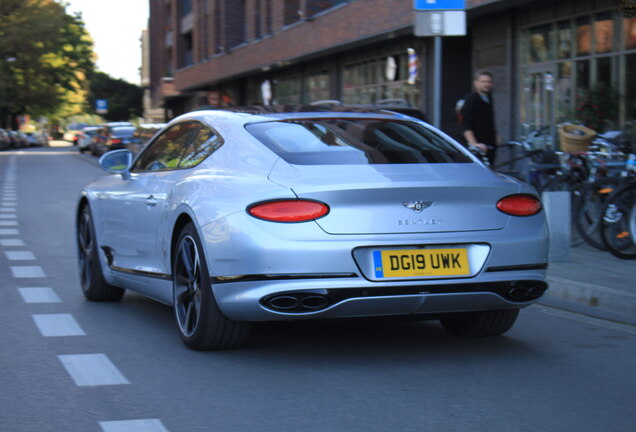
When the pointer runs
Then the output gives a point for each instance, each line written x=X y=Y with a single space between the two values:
x=594 y=300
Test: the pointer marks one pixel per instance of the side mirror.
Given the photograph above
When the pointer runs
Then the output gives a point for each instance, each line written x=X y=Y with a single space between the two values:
x=117 y=162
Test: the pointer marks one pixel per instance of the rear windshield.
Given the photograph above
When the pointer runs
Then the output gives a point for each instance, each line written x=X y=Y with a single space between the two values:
x=355 y=141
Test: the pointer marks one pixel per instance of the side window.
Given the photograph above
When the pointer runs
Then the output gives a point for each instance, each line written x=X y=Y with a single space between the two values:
x=204 y=144
x=166 y=151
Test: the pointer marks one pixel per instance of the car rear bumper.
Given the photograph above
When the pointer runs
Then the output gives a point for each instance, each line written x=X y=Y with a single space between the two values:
x=354 y=297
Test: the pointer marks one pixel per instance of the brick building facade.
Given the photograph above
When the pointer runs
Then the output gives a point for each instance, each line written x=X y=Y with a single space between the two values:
x=220 y=52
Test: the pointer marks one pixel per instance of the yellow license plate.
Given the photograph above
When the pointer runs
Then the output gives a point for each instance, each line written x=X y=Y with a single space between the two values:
x=421 y=262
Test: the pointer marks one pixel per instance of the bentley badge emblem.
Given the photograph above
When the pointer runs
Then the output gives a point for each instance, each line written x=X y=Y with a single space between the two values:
x=417 y=206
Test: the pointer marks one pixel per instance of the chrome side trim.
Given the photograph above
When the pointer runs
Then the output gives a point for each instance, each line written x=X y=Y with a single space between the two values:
x=271 y=277
x=161 y=276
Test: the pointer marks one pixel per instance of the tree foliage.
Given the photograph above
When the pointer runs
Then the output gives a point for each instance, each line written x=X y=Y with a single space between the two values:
x=125 y=100
x=45 y=57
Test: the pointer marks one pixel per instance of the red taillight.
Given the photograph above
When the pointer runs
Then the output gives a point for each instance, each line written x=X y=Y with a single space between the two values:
x=288 y=210
x=115 y=141
x=520 y=205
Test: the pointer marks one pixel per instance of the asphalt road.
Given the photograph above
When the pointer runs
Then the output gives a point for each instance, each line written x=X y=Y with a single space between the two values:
x=67 y=364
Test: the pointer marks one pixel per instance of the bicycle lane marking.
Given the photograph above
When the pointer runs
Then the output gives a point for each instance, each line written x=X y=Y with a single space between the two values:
x=84 y=369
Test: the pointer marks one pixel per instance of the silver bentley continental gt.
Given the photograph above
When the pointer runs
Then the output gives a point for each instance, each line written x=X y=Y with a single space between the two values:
x=239 y=217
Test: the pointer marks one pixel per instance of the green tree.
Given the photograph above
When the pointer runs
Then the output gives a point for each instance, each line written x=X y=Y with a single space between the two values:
x=45 y=56
x=125 y=100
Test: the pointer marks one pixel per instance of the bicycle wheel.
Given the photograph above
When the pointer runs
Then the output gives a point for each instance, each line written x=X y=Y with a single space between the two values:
x=619 y=222
x=589 y=208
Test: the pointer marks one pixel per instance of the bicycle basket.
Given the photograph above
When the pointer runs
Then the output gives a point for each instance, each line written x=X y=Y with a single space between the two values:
x=575 y=138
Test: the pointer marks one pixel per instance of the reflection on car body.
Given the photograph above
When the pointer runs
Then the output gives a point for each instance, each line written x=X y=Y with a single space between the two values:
x=237 y=217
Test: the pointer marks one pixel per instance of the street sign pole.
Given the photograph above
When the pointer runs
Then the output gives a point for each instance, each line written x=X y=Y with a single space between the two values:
x=437 y=80
x=439 y=18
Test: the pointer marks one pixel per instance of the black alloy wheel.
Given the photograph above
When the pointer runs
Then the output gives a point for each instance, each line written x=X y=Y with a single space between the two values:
x=94 y=286
x=201 y=324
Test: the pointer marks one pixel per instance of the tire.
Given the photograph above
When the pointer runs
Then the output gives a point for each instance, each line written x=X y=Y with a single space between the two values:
x=588 y=211
x=619 y=223
x=201 y=324
x=480 y=324
x=94 y=286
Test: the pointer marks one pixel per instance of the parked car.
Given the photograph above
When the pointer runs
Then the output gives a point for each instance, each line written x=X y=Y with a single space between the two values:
x=111 y=136
x=37 y=138
x=71 y=136
x=143 y=134
x=238 y=217
x=5 y=140
x=18 y=139
x=85 y=137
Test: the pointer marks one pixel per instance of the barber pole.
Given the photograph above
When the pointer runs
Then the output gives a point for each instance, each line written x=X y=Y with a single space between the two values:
x=412 y=66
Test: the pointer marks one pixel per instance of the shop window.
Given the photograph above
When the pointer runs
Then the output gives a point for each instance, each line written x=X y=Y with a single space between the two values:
x=604 y=34
x=630 y=86
x=564 y=90
x=540 y=44
x=583 y=37
x=582 y=75
x=287 y=91
x=564 y=42
x=604 y=70
x=317 y=87
x=630 y=33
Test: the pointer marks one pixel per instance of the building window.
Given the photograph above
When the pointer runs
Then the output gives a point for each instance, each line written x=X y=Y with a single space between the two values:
x=583 y=37
x=287 y=91
x=604 y=34
x=186 y=51
x=564 y=40
x=185 y=7
x=234 y=23
x=629 y=33
x=258 y=28
x=369 y=82
x=630 y=89
x=540 y=44
x=317 y=87
x=292 y=11
x=268 y=16
x=316 y=6
x=588 y=49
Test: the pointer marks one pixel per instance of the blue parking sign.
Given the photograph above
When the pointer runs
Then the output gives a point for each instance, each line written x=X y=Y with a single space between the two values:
x=101 y=106
x=439 y=4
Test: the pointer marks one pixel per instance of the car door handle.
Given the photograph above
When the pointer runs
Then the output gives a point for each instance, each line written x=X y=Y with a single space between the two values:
x=151 y=201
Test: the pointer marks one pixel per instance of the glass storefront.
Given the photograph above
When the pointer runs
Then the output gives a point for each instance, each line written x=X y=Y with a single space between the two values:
x=380 y=78
x=562 y=59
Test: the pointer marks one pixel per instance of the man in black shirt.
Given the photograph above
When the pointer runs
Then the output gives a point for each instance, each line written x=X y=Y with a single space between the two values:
x=478 y=116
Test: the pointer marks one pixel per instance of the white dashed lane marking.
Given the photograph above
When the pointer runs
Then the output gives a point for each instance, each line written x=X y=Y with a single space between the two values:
x=89 y=370
x=53 y=325
x=8 y=216
x=27 y=272
x=39 y=295
x=8 y=223
x=147 y=425
x=19 y=255
x=9 y=231
x=11 y=242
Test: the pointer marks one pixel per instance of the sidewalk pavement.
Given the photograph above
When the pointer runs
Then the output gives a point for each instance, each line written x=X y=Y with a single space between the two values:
x=595 y=283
